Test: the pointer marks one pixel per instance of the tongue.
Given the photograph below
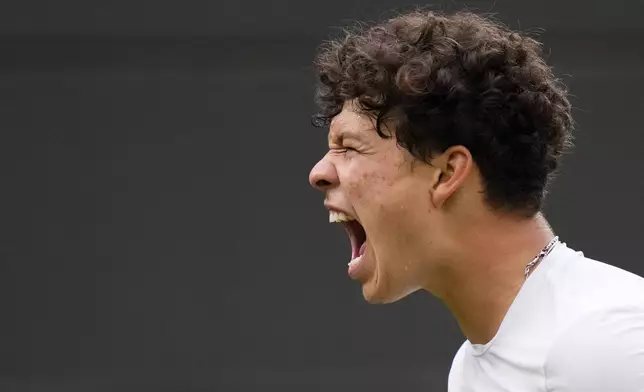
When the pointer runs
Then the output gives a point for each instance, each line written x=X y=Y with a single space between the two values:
x=362 y=248
x=356 y=265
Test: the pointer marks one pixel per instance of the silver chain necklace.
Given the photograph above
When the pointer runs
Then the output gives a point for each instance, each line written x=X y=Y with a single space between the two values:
x=544 y=252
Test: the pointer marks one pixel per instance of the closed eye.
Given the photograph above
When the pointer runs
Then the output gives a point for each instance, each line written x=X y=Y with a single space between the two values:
x=343 y=150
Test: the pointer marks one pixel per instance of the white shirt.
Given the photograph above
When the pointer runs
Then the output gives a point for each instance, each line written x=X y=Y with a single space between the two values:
x=576 y=325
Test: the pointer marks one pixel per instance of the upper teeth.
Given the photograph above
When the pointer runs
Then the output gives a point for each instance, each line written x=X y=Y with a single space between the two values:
x=336 y=216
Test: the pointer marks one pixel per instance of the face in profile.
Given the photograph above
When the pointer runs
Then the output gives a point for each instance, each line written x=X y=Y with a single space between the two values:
x=380 y=194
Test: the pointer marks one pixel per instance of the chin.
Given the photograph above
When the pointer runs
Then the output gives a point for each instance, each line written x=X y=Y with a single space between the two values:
x=379 y=293
x=373 y=298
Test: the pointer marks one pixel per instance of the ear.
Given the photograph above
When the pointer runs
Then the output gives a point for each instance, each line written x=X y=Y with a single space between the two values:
x=453 y=168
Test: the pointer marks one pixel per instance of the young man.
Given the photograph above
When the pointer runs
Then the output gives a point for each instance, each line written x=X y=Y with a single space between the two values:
x=445 y=131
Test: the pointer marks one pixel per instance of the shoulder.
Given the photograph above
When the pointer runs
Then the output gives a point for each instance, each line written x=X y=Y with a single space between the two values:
x=577 y=286
x=603 y=349
x=457 y=362
x=456 y=371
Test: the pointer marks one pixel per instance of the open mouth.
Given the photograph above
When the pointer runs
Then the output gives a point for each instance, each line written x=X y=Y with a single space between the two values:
x=357 y=234
x=358 y=238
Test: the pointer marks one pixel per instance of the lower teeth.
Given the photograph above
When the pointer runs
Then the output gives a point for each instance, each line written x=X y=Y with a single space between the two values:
x=355 y=260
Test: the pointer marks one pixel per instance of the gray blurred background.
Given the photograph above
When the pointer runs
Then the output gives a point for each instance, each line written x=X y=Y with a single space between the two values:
x=157 y=229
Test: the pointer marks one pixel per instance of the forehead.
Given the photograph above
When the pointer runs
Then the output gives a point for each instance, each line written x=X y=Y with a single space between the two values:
x=350 y=123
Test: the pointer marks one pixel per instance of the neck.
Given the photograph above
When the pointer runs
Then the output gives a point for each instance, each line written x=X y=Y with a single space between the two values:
x=488 y=270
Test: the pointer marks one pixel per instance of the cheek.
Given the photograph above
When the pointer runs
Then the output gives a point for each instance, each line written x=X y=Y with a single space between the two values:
x=385 y=194
x=399 y=217
x=391 y=209
x=370 y=186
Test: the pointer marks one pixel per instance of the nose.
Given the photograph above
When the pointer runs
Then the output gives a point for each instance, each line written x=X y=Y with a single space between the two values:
x=323 y=176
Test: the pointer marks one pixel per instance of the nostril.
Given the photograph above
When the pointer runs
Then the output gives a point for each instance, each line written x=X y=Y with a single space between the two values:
x=322 y=183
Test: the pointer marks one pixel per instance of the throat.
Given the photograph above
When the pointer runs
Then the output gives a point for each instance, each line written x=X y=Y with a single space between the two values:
x=482 y=316
x=480 y=301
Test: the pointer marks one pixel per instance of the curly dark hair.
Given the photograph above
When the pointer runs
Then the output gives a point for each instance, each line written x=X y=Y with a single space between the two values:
x=459 y=79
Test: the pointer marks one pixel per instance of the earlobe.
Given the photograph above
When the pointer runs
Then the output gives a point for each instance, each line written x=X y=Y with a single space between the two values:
x=453 y=168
